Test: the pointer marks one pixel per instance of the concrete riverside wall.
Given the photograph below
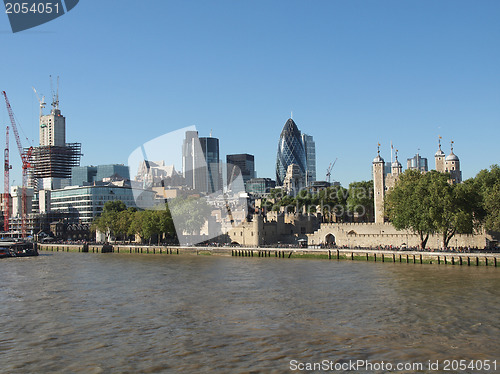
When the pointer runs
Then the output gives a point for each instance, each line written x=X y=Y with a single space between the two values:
x=416 y=257
x=366 y=235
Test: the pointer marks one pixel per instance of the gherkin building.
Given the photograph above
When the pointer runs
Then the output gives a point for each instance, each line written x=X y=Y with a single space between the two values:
x=290 y=151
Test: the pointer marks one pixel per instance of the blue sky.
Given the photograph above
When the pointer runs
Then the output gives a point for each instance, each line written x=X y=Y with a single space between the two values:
x=354 y=73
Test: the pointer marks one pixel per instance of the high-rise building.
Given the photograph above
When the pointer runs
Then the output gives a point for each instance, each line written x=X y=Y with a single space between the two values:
x=310 y=150
x=200 y=163
x=290 y=151
x=243 y=164
x=53 y=159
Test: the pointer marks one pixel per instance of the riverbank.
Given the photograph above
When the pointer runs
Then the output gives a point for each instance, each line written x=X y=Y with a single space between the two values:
x=415 y=257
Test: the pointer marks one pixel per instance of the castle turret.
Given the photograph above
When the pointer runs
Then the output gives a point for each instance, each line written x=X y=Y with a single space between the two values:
x=439 y=157
x=378 y=186
x=396 y=167
x=452 y=166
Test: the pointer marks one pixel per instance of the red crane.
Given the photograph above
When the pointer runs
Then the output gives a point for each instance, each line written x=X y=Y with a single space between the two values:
x=26 y=159
x=6 y=184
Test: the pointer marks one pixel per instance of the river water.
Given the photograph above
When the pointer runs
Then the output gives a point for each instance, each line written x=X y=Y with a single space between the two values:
x=119 y=313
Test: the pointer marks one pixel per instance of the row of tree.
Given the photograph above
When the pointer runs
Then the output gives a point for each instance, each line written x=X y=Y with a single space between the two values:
x=118 y=222
x=427 y=203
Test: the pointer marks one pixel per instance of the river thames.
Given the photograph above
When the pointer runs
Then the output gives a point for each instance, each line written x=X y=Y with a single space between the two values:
x=120 y=313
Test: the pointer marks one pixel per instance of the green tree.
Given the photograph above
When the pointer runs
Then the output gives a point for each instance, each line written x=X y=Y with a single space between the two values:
x=407 y=205
x=189 y=213
x=487 y=184
x=108 y=221
x=360 y=200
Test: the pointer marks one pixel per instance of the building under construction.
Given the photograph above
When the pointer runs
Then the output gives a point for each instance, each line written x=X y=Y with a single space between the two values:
x=52 y=160
x=50 y=164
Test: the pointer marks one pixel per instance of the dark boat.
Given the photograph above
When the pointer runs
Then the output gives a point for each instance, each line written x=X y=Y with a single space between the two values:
x=17 y=249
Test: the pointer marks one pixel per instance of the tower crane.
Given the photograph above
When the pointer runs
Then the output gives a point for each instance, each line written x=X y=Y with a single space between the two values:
x=6 y=184
x=26 y=163
x=42 y=101
x=329 y=170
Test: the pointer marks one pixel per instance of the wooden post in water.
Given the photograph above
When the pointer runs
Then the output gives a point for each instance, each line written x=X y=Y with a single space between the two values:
x=460 y=259
x=352 y=256
x=477 y=261
x=421 y=262
x=329 y=255
x=383 y=259
x=393 y=257
x=486 y=261
x=495 y=259
x=452 y=260
x=375 y=257
x=366 y=256
x=338 y=254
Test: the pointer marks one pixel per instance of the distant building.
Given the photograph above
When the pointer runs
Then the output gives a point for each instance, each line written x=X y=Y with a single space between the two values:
x=290 y=151
x=294 y=180
x=260 y=186
x=85 y=175
x=310 y=150
x=53 y=159
x=417 y=163
x=243 y=164
x=200 y=163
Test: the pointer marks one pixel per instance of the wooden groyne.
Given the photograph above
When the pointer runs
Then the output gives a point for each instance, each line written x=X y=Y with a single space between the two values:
x=409 y=257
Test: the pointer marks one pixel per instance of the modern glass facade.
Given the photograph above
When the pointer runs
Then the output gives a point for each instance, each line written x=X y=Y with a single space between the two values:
x=260 y=186
x=82 y=175
x=87 y=202
x=240 y=163
x=310 y=150
x=290 y=151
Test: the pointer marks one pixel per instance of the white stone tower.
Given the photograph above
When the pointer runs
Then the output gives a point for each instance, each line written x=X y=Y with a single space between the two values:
x=378 y=186
x=439 y=157
x=452 y=166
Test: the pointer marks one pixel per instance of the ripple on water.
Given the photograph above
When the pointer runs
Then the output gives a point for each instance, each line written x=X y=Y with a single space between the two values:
x=93 y=314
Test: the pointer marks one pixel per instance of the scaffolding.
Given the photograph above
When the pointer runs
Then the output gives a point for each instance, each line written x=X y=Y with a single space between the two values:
x=55 y=161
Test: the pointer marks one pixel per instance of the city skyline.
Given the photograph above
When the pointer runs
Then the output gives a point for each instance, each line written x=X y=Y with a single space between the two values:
x=353 y=76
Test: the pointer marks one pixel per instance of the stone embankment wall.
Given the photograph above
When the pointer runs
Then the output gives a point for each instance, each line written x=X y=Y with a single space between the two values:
x=480 y=258
x=371 y=235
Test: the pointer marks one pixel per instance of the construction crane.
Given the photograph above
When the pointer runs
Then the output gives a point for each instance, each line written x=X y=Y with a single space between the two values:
x=6 y=184
x=26 y=159
x=329 y=170
x=41 y=101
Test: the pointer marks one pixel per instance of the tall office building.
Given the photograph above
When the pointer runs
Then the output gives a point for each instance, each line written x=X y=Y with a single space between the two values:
x=53 y=159
x=310 y=150
x=243 y=164
x=200 y=163
x=290 y=151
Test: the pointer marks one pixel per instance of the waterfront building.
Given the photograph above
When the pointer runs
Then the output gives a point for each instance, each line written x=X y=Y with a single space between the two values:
x=87 y=202
x=240 y=164
x=290 y=151
x=260 y=186
x=310 y=151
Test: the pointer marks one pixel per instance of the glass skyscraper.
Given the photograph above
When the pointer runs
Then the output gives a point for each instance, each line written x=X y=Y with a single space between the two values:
x=310 y=150
x=290 y=151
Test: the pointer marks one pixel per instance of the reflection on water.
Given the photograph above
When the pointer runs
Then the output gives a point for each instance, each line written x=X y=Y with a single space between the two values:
x=87 y=313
